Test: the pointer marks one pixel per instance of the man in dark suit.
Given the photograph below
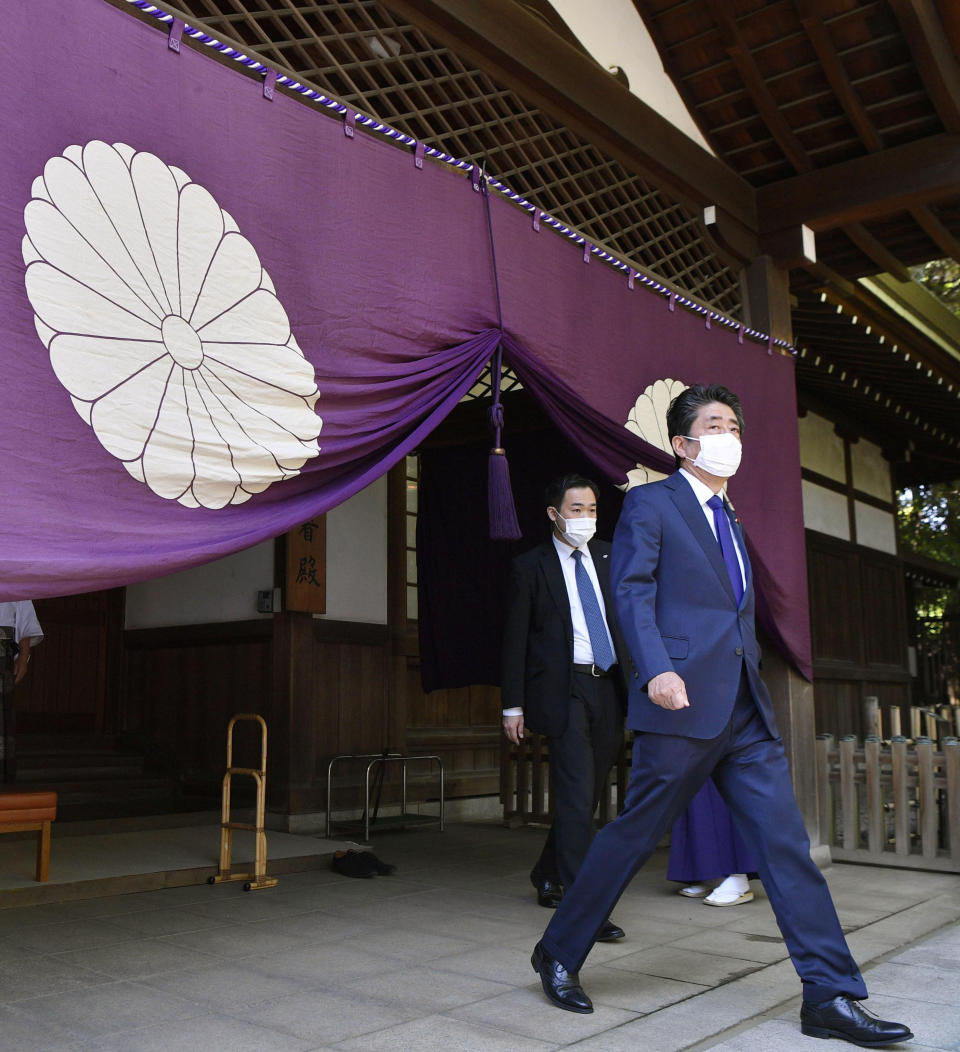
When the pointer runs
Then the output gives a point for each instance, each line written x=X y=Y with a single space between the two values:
x=562 y=677
x=684 y=595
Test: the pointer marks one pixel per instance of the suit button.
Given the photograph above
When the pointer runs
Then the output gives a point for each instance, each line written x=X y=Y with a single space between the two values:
x=739 y=651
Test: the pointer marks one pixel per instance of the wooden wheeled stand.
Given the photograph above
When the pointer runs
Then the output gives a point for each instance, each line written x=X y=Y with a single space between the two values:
x=258 y=878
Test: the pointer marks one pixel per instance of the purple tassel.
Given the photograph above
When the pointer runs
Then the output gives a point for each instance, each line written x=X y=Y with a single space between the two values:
x=503 y=512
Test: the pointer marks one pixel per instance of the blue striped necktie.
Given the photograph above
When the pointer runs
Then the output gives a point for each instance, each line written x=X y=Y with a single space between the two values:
x=603 y=656
x=725 y=537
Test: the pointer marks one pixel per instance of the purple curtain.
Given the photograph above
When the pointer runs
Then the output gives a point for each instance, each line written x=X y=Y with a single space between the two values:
x=222 y=315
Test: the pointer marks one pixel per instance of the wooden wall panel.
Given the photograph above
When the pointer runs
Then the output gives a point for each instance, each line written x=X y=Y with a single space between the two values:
x=884 y=614
x=859 y=634
x=181 y=687
x=834 y=597
x=73 y=680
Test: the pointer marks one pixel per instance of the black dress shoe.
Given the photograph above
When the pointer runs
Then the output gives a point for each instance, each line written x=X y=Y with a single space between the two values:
x=561 y=986
x=846 y=1018
x=549 y=893
x=610 y=932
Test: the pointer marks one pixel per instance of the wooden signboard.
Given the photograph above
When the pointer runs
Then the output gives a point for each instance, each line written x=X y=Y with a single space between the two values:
x=306 y=577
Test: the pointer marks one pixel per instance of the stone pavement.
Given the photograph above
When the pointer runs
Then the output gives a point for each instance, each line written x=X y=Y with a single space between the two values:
x=436 y=957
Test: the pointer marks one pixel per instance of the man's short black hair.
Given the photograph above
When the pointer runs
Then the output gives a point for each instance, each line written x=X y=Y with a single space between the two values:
x=685 y=407
x=557 y=489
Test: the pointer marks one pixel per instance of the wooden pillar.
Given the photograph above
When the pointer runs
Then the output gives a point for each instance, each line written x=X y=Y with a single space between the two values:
x=766 y=302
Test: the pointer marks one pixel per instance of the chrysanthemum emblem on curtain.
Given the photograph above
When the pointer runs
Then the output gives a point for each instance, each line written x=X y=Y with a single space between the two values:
x=165 y=329
x=648 y=419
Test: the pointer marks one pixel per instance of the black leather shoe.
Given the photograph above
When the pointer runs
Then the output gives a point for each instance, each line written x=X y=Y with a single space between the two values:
x=610 y=932
x=561 y=986
x=549 y=893
x=846 y=1018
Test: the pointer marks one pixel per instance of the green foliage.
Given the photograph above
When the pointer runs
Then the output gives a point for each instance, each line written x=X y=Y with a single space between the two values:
x=942 y=278
x=928 y=520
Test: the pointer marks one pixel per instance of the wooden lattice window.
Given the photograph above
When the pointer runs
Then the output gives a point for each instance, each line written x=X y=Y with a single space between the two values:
x=359 y=53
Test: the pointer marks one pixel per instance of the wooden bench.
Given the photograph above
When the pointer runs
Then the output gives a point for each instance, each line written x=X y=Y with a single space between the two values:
x=30 y=812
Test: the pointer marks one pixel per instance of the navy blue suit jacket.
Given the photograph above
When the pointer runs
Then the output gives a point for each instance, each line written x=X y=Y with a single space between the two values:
x=677 y=612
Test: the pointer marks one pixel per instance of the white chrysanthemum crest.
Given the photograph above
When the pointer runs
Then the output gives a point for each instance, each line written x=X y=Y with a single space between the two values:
x=648 y=419
x=164 y=327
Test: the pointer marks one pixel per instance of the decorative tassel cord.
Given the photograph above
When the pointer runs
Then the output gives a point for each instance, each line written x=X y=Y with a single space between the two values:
x=501 y=508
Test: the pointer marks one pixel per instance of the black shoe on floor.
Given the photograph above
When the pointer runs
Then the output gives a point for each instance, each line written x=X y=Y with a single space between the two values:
x=846 y=1018
x=549 y=892
x=352 y=863
x=611 y=932
x=560 y=986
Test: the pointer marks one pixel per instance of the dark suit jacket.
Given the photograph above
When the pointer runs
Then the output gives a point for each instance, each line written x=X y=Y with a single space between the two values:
x=677 y=611
x=538 y=637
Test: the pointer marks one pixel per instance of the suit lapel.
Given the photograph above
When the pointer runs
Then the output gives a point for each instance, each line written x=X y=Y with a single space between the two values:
x=553 y=573
x=692 y=514
x=742 y=545
x=601 y=564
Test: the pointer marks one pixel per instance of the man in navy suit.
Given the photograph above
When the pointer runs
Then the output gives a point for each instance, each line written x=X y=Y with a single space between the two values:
x=562 y=676
x=683 y=592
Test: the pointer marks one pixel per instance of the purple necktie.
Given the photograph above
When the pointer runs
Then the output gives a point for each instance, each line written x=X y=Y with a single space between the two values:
x=725 y=537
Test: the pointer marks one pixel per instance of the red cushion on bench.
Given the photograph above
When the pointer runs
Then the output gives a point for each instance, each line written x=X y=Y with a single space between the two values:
x=27 y=807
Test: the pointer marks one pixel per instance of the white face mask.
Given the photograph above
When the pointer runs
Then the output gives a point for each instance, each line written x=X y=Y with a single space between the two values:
x=719 y=454
x=576 y=532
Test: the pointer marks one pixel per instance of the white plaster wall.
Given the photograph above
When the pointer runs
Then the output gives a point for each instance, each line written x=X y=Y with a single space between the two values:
x=614 y=34
x=871 y=471
x=357 y=557
x=875 y=528
x=224 y=590
x=825 y=511
x=821 y=449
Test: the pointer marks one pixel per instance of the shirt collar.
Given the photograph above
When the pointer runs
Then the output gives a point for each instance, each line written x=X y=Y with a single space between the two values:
x=700 y=489
x=565 y=551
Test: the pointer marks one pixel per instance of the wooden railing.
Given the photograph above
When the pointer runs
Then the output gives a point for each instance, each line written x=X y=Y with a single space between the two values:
x=525 y=781
x=893 y=803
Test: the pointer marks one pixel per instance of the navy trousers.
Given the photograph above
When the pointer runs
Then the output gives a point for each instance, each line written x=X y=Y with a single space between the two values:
x=750 y=770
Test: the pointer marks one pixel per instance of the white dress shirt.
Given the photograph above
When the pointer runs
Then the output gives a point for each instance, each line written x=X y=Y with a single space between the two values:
x=703 y=493
x=582 y=650
x=23 y=618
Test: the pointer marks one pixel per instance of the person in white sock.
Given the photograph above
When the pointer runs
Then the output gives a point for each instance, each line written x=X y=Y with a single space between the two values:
x=705 y=847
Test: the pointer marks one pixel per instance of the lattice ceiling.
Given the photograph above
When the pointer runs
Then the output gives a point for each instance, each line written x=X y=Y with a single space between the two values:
x=357 y=52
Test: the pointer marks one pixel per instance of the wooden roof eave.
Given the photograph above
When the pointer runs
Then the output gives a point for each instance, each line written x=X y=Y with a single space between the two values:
x=519 y=50
x=865 y=188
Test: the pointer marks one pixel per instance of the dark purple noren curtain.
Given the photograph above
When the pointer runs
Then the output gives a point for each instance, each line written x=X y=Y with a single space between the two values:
x=221 y=316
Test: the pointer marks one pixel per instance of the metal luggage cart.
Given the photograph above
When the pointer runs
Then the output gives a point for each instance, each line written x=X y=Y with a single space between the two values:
x=258 y=878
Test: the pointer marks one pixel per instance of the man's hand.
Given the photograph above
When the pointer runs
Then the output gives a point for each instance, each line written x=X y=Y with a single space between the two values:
x=668 y=691
x=513 y=728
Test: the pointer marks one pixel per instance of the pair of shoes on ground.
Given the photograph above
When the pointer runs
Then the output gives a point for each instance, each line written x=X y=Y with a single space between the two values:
x=841 y=1017
x=731 y=892
x=360 y=864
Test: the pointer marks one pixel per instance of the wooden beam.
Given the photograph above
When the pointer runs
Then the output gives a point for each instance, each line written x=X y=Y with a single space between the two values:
x=756 y=86
x=864 y=188
x=836 y=74
x=933 y=55
x=873 y=249
x=937 y=232
x=516 y=48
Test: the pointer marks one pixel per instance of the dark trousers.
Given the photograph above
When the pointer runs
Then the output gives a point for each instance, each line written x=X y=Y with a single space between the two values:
x=580 y=759
x=750 y=770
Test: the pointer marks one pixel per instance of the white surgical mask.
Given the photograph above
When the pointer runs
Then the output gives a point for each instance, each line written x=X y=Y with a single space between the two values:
x=576 y=532
x=719 y=454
